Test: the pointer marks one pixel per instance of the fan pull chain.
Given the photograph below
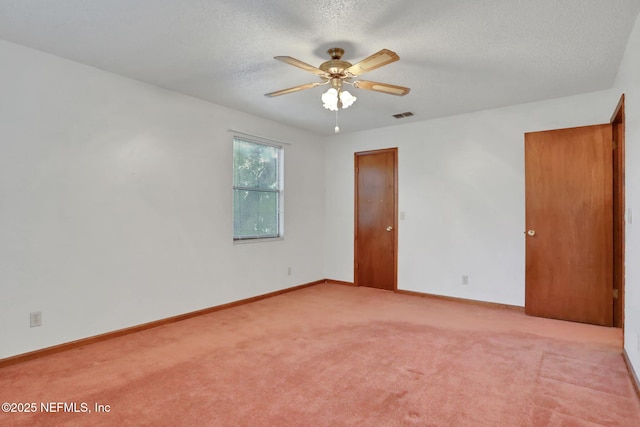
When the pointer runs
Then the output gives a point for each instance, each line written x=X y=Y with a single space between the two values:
x=337 y=128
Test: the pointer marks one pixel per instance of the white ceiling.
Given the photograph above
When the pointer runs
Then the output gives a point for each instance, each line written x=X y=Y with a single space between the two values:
x=457 y=56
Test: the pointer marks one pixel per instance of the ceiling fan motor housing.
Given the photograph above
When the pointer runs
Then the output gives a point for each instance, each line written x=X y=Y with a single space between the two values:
x=335 y=67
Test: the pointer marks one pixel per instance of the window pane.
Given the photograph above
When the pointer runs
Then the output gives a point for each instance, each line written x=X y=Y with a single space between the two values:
x=255 y=165
x=255 y=214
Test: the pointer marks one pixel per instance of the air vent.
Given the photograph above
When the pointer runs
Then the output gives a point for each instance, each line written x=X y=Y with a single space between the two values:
x=403 y=115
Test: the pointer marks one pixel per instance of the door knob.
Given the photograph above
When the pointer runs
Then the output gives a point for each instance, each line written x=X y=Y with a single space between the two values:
x=531 y=232
x=389 y=228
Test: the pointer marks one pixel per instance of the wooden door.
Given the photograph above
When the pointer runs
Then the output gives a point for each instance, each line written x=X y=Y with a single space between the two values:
x=375 y=218
x=569 y=220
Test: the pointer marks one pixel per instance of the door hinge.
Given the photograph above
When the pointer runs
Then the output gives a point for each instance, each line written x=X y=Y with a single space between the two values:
x=615 y=294
x=614 y=144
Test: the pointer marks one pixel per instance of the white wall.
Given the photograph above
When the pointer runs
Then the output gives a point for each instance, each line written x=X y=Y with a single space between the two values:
x=461 y=187
x=628 y=82
x=115 y=203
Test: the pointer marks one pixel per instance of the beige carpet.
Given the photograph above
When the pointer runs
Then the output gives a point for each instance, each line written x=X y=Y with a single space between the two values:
x=333 y=355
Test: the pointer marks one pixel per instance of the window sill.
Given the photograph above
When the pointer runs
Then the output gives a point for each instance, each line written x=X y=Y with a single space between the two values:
x=266 y=239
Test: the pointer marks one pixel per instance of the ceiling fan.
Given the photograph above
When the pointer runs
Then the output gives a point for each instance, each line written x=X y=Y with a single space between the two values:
x=337 y=72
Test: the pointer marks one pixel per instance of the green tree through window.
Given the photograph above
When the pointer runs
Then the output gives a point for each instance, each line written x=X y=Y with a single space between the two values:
x=257 y=190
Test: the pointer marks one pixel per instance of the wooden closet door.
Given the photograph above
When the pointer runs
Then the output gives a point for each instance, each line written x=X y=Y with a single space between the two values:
x=569 y=220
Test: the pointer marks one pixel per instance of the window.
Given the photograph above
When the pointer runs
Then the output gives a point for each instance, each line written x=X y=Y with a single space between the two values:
x=257 y=190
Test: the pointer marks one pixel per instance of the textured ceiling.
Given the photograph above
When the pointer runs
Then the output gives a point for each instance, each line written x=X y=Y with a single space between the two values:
x=456 y=56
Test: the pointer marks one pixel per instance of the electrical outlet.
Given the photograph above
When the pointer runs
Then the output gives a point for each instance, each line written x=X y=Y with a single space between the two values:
x=289 y=271
x=638 y=342
x=465 y=280
x=35 y=319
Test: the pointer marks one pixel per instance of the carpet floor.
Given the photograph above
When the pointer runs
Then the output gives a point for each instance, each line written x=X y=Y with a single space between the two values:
x=332 y=355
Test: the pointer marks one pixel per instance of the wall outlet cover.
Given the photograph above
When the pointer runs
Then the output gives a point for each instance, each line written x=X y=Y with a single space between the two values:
x=35 y=319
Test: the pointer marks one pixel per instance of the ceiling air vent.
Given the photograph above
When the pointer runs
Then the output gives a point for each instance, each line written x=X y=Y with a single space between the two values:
x=403 y=115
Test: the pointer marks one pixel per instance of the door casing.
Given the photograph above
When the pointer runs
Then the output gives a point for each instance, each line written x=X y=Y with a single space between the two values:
x=618 y=123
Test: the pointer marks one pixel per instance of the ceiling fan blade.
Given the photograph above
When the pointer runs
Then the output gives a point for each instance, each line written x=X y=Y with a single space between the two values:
x=377 y=60
x=293 y=89
x=303 y=65
x=381 y=87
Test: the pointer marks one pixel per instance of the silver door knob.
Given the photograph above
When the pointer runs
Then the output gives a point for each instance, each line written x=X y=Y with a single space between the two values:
x=531 y=232
x=389 y=228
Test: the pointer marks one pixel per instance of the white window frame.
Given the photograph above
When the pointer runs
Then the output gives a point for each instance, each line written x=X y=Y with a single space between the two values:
x=279 y=235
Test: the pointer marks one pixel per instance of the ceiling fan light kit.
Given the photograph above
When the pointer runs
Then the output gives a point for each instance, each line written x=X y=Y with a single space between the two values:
x=334 y=99
x=337 y=72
